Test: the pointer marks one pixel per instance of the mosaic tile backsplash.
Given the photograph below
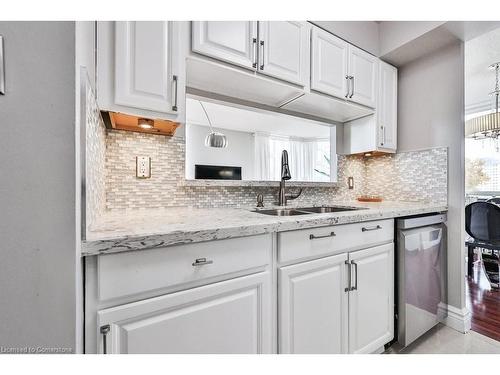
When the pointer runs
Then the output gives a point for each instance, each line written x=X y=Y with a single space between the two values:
x=95 y=157
x=166 y=186
x=410 y=176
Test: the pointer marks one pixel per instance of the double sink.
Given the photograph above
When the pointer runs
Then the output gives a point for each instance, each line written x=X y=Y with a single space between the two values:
x=307 y=210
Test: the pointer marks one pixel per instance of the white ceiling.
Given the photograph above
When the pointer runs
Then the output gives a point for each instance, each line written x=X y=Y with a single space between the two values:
x=248 y=120
x=479 y=54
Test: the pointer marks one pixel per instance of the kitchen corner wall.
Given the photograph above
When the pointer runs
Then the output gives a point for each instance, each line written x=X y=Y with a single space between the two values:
x=410 y=176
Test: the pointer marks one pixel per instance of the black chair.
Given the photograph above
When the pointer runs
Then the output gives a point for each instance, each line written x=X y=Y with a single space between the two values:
x=495 y=200
x=482 y=223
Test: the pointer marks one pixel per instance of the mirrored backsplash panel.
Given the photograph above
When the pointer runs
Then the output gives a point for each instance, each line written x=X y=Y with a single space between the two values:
x=254 y=142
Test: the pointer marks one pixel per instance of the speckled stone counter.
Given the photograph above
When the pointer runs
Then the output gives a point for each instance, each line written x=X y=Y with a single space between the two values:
x=147 y=229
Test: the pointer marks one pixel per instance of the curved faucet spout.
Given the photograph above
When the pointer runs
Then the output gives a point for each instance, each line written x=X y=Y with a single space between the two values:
x=294 y=196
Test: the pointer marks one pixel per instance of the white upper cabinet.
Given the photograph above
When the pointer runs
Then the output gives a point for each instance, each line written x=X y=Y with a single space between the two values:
x=387 y=107
x=284 y=50
x=138 y=69
x=313 y=303
x=232 y=316
x=231 y=41
x=371 y=300
x=363 y=77
x=329 y=64
x=279 y=49
x=342 y=70
x=377 y=132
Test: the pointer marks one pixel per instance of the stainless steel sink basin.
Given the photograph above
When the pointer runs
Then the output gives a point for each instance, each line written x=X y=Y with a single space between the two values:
x=328 y=209
x=306 y=210
x=282 y=212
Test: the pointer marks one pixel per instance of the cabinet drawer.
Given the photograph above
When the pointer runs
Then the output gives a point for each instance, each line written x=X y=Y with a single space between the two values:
x=132 y=273
x=317 y=242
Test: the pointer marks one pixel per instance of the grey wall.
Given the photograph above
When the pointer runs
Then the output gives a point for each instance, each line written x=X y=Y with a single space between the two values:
x=37 y=186
x=431 y=114
x=240 y=151
x=394 y=34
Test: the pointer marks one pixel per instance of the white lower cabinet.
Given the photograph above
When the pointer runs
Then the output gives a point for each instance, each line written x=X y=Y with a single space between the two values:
x=232 y=316
x=324 y=290
x=338 y=304
x=313 y=306
x=371 y=299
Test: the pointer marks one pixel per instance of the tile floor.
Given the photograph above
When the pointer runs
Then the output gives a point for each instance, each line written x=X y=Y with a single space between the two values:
x=445 y=340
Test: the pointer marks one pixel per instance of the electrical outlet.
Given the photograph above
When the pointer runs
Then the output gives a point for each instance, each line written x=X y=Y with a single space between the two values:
x=143 y=166
x=350 y=183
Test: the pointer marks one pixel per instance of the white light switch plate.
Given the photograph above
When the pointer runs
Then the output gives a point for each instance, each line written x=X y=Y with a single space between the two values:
x=143 y=166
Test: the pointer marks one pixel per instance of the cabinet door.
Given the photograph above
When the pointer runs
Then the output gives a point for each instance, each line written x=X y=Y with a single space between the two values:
x=284 y=50
x=231 y=41
x=232 y=316
x=371 y=299
x=144 y=71
x=329 y=63
x=387 y=106
x=313 y=306
x=363 y=69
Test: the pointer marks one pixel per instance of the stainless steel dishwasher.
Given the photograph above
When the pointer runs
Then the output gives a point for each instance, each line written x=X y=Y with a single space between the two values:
x=421 y=275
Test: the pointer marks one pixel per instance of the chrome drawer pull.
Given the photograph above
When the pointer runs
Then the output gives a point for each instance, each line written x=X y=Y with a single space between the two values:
x=367 y=229
x=313 y=237
x=201 y=262
x=176 y=83
x=348 y=288
x=254 y=42
x=355 y=287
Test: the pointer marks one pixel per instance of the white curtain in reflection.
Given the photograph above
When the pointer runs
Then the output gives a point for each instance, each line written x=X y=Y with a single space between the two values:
x=303 y=154
x=262 y=154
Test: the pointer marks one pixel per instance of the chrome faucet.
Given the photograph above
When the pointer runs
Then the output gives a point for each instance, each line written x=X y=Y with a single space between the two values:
x=285 y=175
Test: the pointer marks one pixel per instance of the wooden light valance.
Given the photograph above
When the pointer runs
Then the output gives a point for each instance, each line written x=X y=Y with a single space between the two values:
x=121 y=121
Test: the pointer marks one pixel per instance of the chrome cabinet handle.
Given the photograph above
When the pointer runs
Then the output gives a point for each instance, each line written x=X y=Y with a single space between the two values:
x=352 y=87
x=348 y=86
x=254 y=57
x=262 y=45
x=348 y=288
x=383 y=135
x=175 y=79
x=201 y=262
x=104 y=332
x=313 y=237
x=367 y=229
x=355 y=287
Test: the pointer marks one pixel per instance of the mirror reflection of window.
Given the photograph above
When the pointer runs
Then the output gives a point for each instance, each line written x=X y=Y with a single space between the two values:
x=309 y=157
x=255 y=141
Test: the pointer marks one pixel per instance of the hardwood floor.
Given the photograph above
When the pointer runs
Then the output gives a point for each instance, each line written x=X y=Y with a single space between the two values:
x=484 y=304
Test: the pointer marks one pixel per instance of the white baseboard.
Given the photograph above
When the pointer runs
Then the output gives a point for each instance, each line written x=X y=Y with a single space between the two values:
x=458 y=319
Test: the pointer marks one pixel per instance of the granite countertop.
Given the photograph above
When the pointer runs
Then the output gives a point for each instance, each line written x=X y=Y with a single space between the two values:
x=135 y=230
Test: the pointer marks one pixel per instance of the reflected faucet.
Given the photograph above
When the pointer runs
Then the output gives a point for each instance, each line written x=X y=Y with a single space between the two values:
x=285 y=175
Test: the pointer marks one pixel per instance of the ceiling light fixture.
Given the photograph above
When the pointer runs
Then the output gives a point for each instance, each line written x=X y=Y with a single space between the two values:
x=487 y=126
x=144 y=123
x=213 y=139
